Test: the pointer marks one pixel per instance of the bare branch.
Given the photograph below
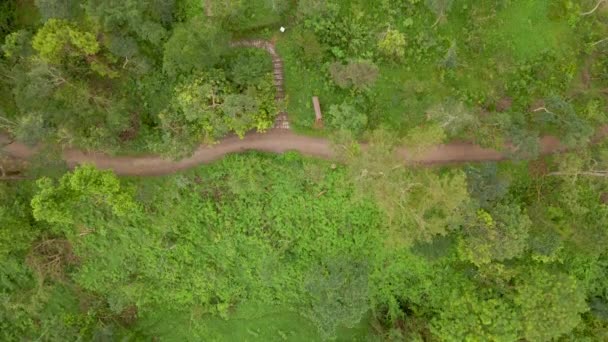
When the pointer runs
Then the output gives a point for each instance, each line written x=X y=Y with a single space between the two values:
x=599 y=42
x=594 y=8
x=582 y=173
x=543 y=109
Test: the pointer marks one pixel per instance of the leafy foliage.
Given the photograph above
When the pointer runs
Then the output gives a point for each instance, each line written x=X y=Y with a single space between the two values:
x=206 y=107
x=499 y=236
x=57 y=39
x=193 y=46
x=346 y=117
x=392 y=44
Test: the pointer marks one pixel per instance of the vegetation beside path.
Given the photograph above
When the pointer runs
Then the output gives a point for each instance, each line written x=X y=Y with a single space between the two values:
x=255 y=246
x=282 y=247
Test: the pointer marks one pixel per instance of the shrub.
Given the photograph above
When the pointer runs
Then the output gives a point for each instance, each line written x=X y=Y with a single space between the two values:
x=392 y=45
x=359 y=75
x=346 y=117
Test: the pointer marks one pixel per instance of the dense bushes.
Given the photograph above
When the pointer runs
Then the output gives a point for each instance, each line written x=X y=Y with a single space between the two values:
x=411 y=252
x=79 y=77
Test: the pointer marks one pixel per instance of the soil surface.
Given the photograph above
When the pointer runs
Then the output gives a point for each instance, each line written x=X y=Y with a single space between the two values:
x=275 y=141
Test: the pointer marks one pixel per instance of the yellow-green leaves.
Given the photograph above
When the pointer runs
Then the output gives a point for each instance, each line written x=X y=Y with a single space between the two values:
x=392 y=44
x=59 y=39
x=81 y=196
x=496 y=236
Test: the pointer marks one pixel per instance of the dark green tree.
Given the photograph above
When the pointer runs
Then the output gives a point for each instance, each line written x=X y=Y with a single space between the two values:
x=194 y=46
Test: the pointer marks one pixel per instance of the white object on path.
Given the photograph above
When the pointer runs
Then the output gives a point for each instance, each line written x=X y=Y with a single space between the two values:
x=282 y=29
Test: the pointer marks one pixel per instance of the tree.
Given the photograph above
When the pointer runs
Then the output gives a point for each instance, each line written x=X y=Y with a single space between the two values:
x=392 y=45
x=58 y=9
x=147 y=21
x=486 y=184
x=338 y=292
x=418 y=204
x=194 y=46
x=346 y=117
x=452 y=116
x=193 y=116
x=468 y=313
x=17 y=45
x=80 y=198
x=58 y=39
x=498 y=235
x=31 y=129
x=7 y=15
x=240 y=111
x=551 y=304
x=55 y=104
x=561 y=115
x=359 y=75
x=249 y=67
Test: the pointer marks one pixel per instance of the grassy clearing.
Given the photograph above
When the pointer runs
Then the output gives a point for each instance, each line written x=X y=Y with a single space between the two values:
x=492 y=58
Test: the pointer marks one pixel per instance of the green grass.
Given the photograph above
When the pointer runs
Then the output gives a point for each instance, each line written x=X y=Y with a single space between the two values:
x=492 y=43
x=301 y=84
x=526 y=30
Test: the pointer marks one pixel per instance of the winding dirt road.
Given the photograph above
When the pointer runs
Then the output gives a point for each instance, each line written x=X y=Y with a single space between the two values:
x=276 y=141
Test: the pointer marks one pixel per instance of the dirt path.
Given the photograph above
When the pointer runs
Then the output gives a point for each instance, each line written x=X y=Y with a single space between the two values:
x=276 y=141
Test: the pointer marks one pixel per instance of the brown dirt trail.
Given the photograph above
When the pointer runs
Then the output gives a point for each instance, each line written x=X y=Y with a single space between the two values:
x=275 y=141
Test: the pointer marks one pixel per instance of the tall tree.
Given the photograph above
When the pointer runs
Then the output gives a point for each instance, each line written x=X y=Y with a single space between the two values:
x=498 y=235
x=194 y=46
x=551 y=304
x=338 y=292
x=419 y=204
x=147 y=21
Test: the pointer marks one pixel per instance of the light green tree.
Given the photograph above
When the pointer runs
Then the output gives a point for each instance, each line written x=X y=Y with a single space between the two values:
x=551 y=304
x=346 y=117
x=498 y=235
x=59 y=39
x=467 y=313
x=418 y=204
x=17 y=44
x=392 y=44
x=339 y=294
x=80 y=198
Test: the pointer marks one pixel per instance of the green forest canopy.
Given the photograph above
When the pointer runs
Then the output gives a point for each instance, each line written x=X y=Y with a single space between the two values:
x=269 y=248
x=265 y=247
x=158 y=76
